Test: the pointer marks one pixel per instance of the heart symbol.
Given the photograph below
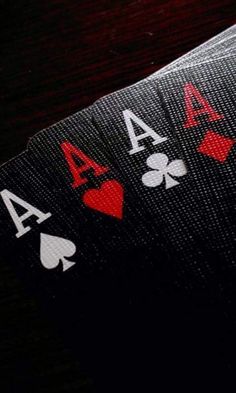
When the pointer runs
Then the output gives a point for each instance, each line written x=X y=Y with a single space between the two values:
x=107 y=199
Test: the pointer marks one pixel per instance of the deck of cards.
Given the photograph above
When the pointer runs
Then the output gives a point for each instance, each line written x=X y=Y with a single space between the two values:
x=121 y=220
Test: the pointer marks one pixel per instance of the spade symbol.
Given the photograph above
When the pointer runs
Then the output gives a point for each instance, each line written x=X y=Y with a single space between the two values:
x=54 y=250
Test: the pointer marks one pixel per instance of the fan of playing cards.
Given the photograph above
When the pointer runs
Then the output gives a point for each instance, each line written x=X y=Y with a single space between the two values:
x=131 y=199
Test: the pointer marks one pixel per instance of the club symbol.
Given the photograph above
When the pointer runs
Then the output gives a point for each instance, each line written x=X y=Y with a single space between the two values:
x=163 y=170
x=55 y=250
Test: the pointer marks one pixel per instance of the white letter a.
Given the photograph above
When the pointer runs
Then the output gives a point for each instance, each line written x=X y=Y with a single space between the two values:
x=8 y=197
x=134 y=139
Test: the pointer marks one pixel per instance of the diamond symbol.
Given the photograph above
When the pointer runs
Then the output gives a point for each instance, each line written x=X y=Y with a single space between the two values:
x=216 y=146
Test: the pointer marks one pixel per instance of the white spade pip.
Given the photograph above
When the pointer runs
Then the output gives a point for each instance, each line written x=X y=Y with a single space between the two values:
x=54 y=249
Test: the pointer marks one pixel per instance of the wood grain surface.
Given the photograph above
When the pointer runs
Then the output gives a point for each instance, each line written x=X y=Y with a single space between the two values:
x=59 y=56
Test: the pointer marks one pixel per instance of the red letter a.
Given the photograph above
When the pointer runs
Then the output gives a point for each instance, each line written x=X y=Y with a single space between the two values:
x=190 y=93
x=76 y=171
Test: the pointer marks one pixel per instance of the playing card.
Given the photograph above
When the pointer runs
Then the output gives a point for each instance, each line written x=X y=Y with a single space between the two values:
x=205 y=134
x=134 y=122
x=60 y=264
x=72 y=155
x=213 y=48
x=36 y=233
x=142 y=143
x=200 y=103
x=218 y=51
x=88 y=294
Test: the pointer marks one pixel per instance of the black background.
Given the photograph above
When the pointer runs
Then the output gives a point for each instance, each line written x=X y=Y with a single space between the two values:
x=58 y=57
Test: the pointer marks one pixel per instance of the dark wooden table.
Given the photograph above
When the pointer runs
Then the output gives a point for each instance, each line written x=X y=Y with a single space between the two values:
x=58 y=57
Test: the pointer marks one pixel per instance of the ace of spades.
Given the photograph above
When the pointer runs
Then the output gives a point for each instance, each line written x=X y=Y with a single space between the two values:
x=35 y=226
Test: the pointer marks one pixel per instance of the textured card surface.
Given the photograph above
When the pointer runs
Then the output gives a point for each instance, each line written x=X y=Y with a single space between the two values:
x=200 y=104
x=143 y=145
x=212 y=48
x=72 y=155
x=36 y=231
